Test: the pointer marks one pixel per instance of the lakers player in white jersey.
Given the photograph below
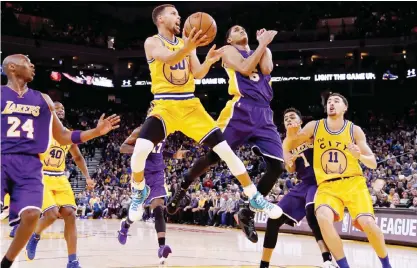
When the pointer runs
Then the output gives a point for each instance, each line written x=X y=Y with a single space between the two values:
x=59 y=199
x=339 y=146
x=174 y=64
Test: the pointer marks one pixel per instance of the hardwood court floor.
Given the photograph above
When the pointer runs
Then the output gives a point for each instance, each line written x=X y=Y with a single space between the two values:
x=192 y=246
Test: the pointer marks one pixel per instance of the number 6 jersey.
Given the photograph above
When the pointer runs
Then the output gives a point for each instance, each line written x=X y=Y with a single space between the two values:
x=26 y=122
x=256 y=87
x=332 y=158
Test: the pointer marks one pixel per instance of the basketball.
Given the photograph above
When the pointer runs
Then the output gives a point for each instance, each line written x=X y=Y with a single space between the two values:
x=201 y=21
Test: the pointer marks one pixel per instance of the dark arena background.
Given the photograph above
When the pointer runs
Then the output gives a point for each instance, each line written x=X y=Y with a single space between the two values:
x=90 y=57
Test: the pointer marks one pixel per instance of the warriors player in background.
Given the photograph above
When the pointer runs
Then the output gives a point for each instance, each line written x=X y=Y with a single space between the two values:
x=299 y=202
x=248 y=118
x=155 y=183
x=28 y=123
x=174 y=65
x=339 y=145
x=58 y=199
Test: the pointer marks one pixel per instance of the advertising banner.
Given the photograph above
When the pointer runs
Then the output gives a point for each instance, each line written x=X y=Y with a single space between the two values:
x=399 y=226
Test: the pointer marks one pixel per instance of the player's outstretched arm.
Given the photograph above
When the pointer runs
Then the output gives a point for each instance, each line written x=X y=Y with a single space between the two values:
x=200 y=70
x=128 y=145
x=80 y=162
x=361 y=150
x=296 y=137
x=67 y=137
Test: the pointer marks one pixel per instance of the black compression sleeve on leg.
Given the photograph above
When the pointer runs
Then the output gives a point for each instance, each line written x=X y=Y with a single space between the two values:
x=272 y=228
x=153 y=130
x=274 y=169
x=160 y=225
x=199 y=168
x=312 y=222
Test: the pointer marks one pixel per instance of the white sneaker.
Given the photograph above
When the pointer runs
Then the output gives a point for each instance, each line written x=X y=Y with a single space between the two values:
x=259 y=203
x=328 y=264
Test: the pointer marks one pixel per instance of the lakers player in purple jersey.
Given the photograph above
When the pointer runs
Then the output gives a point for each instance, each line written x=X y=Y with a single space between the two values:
x=299 y=202
x=155 y=182
x=28 y=122
x=248 y=118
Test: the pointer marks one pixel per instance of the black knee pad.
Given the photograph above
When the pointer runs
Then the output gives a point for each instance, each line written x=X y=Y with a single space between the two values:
x=274 y=166
x=213 y=139
x=313 y=223
x=272 y=229
x=160 y=225
x=153 y=130
x=274 y=169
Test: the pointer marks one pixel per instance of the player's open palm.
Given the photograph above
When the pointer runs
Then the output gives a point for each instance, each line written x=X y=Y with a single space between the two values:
x=91 y=184
x=195 y=39
x=266 y=37
x=214 y=54
x=180 y=154
x=105 y=125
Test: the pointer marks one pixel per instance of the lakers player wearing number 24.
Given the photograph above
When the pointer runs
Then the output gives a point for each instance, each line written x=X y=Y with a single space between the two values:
x=173 y=64
x=339 y=145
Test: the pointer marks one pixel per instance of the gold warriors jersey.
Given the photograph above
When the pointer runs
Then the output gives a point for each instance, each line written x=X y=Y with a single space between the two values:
x=331 y=158
x=171 y=79
x=54 y=158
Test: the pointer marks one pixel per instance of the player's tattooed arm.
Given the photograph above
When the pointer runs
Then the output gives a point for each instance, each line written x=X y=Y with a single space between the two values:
x=64 y=136
x=80 y=162
x=232 y=59
x=297 y=136
x=129 y=144
x=360 y=149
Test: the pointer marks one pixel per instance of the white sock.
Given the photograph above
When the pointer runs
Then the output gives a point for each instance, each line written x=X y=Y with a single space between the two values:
x=250 y=190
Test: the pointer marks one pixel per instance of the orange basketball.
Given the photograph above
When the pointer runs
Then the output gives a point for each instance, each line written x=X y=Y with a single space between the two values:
x=201 y=21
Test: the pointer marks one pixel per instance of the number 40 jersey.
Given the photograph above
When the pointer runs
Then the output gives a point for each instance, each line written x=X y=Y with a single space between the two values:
x=26 y=122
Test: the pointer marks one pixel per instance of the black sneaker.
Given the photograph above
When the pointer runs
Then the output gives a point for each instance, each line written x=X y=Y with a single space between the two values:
x=174 y=203
x=247 y=224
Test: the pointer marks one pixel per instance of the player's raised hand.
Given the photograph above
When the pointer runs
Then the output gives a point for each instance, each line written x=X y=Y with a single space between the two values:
x=259 y=32
x=354 y=150
x=292 y=129
x=214 y=54
x=266 y=37
x=195 y=39
x=105 y=125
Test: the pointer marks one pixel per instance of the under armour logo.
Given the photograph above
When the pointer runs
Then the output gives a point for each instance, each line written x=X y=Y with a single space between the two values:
x=411 y=73
x=126 y=83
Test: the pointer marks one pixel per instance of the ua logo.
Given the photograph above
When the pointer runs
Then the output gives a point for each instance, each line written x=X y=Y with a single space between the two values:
x=411 y=73
x=126 y=83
